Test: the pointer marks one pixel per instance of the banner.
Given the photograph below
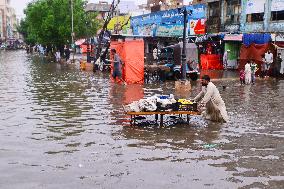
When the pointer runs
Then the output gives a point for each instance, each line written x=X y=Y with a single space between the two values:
x=277 y=5
x=170 y=23
x=255 y=6
x=169 y=30
x=197 y=27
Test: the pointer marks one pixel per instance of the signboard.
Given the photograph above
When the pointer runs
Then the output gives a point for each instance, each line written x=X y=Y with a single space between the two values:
x=197 y=27
x=277 y=5
x=170 y=30
x=170 y=23
x=255 y=6
x=232 y=28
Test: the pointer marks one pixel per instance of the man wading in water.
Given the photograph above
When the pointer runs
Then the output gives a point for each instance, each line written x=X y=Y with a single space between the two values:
x=212 y=101
x=117 y=66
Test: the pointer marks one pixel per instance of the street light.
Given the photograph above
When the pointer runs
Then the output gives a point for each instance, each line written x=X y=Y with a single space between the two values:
x=72 y=28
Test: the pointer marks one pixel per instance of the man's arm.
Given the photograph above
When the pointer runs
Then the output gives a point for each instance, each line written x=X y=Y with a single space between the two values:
x=199 y=96
x=208 y=95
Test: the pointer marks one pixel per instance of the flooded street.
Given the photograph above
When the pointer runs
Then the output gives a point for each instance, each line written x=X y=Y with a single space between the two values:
x=63 y=128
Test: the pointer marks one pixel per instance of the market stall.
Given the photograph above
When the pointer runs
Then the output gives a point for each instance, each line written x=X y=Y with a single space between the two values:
x=132 y=54
x=210 y=52
x=233 y=44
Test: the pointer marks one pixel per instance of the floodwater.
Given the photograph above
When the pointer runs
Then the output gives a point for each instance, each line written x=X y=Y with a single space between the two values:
x=63 y=128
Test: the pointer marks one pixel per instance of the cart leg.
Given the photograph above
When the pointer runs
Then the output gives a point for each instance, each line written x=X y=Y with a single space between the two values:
x=161 y=120
x=187 y=119
x=156 y=117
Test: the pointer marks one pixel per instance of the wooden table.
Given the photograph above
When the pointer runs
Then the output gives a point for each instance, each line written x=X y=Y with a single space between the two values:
x=180 y=113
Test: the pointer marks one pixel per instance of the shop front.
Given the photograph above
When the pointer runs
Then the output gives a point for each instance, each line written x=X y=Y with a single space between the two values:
x=233 y=44
x=210 y=50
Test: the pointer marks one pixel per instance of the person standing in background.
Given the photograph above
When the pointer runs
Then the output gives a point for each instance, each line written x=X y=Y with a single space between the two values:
x=242 y=76
x=254 y=69
x=67 y=53
x=247 y=73
x=268 y=61
x=263 y=66
x=282 y=66
x=225 y=59
x=277 y=68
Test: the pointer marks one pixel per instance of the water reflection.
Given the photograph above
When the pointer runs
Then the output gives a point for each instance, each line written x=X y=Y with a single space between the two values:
x=56 y=119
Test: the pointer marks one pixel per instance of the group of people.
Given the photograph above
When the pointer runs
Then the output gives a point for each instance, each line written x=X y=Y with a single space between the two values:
x=248 y=74
x=57 y=53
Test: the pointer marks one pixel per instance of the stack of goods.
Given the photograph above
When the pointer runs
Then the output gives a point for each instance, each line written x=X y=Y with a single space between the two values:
x=186 y=105
x=161 y=103
x=151 y=104
x=166 y=103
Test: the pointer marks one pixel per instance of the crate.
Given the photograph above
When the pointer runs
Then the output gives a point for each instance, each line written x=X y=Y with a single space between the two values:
x=186 y=107
x=167 y=108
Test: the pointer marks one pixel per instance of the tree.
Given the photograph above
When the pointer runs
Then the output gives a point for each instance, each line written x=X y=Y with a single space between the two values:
x=48 y=22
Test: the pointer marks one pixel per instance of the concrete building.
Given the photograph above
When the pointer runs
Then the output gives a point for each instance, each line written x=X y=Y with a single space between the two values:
x=159 y=5
x=262 y=16
x=244 y=16
x=8 y=21
x=102 y=8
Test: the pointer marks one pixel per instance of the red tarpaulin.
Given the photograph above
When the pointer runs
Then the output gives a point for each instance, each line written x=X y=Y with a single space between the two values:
x=132 y=55
x=252 y=52
x=211 y=62
x=83 y=48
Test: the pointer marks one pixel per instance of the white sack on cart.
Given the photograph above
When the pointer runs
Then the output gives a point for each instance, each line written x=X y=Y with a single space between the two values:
x=149 y=104
x=133 y=107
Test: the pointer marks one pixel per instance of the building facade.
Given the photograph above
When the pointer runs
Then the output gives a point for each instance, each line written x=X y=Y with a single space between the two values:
x=262 y=16
x=244 y=16
x=159 y=5
x=8 y=21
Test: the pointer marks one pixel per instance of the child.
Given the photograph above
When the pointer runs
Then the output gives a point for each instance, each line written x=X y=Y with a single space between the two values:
x=242 y=76
x=254 y=69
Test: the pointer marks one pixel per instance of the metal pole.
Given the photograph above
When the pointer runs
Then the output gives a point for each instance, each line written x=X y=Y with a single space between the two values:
x=183 y=58
x=72 y=12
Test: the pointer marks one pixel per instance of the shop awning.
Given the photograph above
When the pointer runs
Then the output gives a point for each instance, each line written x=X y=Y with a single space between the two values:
x=230 y=37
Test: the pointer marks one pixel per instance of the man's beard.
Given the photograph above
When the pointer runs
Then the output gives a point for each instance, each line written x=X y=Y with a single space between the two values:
x=204 y=84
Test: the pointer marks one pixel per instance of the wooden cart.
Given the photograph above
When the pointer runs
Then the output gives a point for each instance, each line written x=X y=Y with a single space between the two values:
x=162 y=114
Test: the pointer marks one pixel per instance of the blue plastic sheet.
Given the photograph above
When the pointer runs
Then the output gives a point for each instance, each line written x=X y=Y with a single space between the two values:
x=257 y=38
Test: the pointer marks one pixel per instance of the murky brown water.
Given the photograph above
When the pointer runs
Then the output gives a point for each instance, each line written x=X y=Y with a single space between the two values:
x=62 y=128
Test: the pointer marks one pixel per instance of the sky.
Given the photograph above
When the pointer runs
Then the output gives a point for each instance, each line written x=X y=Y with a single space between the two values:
x=20 y=5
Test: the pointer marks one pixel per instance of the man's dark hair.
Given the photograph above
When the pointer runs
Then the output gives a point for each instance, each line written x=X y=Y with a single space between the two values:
x=206 y=77
x=113 y=50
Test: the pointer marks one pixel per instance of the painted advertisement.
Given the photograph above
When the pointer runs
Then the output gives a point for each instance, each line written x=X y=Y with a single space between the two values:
x=197 y=27
x=170 y=23
x=170 y=30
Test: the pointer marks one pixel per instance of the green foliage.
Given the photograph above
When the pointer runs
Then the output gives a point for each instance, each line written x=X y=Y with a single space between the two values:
x=49 y=22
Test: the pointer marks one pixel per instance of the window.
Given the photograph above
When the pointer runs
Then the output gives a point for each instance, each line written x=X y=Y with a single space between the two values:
x=255 y=17
x=277 y=15
x=233 y=11
x=214 y=9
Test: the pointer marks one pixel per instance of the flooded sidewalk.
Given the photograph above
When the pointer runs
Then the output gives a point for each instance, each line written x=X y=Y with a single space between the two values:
x=64 y=128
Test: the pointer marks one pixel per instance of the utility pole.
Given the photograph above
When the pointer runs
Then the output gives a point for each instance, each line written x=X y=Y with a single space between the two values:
x=72 y=28
x=183 y=56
